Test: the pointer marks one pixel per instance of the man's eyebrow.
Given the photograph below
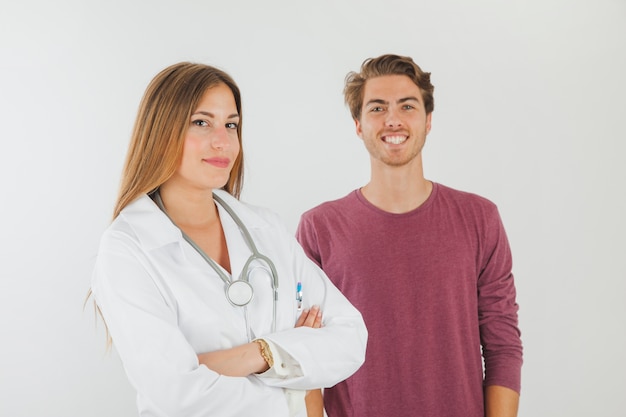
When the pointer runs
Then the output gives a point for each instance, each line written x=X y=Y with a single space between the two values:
x=376 y=101
x=411 y=98
x=402 y=100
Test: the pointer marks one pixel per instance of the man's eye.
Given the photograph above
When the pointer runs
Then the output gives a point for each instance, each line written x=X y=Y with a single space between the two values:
x=408 y=107
x=231 y=125
x=377 y=109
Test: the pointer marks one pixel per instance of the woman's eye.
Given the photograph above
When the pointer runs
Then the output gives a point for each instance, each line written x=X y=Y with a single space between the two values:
x=199 y=122
x=231 y=125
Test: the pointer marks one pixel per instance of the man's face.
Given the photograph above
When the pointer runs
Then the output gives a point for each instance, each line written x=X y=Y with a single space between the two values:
x=393 y=123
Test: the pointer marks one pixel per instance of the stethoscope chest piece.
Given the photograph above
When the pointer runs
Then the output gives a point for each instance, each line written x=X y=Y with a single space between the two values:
x=239 y=293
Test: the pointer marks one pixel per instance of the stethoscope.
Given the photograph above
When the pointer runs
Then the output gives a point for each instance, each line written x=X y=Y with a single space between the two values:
x=239 y=292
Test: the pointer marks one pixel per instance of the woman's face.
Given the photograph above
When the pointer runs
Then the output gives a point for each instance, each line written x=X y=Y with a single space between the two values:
x=211 y=143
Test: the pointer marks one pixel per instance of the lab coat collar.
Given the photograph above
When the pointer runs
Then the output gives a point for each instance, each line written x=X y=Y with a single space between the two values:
x=154 y=229
x=249 y=215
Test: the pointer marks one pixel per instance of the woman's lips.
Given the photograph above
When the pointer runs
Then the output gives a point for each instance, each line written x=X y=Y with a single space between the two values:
x=218 y=162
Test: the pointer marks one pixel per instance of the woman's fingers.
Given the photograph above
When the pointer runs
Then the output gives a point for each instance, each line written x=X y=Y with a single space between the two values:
x=302 y=318
x=310 y=318
x=317 y=323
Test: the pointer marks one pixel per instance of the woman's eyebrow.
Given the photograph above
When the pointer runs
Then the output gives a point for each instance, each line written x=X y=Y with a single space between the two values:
x=211 y=115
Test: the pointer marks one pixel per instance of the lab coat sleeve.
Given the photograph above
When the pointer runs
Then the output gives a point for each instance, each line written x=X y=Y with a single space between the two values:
x=329 y=354
x=159 y=362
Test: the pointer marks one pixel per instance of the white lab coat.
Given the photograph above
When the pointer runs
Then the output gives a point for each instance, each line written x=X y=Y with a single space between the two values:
x=163 y=304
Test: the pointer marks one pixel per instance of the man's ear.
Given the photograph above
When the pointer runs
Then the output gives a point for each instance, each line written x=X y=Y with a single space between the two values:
x=357 y=124
x=429 y=118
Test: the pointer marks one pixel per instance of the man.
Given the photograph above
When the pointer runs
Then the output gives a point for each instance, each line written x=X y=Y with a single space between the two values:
x=429 y=268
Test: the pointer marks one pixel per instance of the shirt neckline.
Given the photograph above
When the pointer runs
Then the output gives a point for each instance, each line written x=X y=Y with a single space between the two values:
x=424 y=206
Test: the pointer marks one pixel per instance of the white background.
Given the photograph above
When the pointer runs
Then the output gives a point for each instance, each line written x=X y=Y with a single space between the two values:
x=530 y=104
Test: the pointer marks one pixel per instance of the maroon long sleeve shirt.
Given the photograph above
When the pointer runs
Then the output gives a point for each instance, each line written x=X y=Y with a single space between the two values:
x=436 y=291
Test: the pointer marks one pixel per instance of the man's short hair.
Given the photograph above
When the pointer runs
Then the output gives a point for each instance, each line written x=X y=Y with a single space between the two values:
x=386 y=65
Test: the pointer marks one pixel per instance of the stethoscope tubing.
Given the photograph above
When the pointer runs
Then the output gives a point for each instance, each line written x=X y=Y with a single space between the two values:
x=244 y=277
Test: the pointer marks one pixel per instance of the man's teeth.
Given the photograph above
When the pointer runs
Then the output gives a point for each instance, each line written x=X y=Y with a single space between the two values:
x=396 y=140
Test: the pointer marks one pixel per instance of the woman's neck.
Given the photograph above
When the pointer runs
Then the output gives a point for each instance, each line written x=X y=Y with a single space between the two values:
x=195 y=213
x=189 y=208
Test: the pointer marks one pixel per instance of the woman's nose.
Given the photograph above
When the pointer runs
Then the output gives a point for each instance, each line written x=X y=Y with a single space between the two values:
x=220 y=139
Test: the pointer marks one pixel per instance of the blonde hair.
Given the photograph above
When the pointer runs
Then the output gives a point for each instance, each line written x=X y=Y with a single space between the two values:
x=386 y=65
x=156 y=144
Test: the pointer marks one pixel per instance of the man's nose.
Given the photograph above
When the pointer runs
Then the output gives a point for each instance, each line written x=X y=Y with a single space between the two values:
x=393 y=118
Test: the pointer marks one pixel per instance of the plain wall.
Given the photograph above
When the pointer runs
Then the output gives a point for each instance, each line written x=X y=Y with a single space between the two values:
x=529 y=112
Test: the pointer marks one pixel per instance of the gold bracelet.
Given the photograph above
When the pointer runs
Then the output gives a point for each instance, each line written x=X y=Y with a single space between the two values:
x=265 y=352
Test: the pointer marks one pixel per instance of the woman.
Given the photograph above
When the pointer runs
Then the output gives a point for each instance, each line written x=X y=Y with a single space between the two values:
x=212 y=305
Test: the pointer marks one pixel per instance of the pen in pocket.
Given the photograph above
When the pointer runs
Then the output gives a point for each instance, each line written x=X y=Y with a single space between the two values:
x=299 y=295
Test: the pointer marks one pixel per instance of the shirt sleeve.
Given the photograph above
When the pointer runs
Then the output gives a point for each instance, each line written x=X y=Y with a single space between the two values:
x=158 y=360
x=497 y=309
x=307 y=238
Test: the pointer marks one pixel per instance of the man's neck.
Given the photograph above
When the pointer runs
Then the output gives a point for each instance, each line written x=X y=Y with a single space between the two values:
x=397 y=189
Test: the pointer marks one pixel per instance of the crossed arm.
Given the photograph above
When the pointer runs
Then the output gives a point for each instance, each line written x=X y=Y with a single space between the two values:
x=246 y=359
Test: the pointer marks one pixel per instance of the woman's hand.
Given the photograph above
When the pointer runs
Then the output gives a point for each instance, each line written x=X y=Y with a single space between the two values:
x=310 y=318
